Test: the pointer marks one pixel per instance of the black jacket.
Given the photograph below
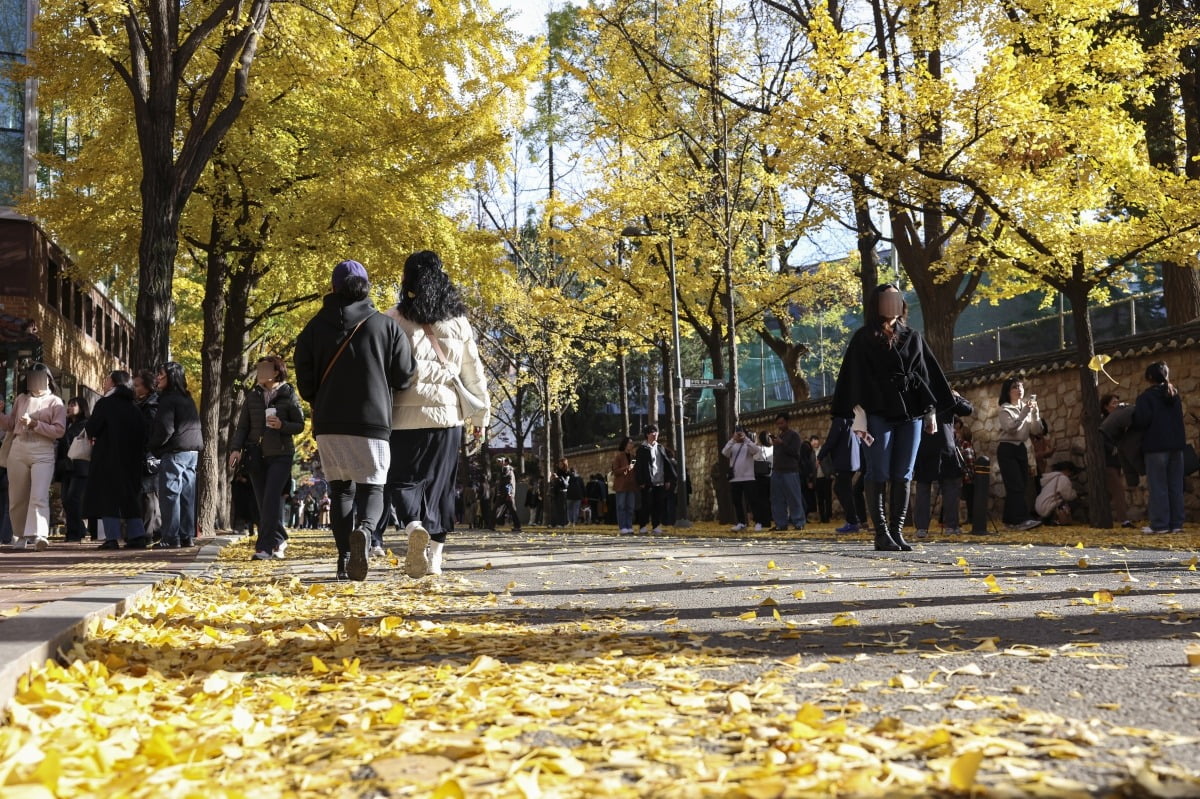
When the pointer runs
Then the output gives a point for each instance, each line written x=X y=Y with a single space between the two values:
x=65 y=468
x=938 y=457
x=842 y=446
x=176 y=425
x=114 y=487
x=641 y=468
x=252 y=422
x=356 y=399
x=899 y=383
x=1159 y=415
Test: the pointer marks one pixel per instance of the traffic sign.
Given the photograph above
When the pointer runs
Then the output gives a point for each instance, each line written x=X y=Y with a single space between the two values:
x=702 y=382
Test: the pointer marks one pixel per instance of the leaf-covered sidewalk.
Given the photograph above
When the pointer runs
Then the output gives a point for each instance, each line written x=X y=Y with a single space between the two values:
x=586 y=665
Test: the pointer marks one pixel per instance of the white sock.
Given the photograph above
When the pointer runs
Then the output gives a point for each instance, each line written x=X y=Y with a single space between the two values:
x=435 y=556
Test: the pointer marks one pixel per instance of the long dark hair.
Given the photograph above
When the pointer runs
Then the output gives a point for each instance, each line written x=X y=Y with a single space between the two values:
x=881 y=328
x=176 y=381
x=426 y=293
x=1159 y=374
x=1007 y=386
x=84 y=410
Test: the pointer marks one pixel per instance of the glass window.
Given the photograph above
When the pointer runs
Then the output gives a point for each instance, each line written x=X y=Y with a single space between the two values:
x=12 y=27
x=12 y=166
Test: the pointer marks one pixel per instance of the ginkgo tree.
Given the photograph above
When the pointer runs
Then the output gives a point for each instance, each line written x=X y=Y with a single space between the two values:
x=1042 y=158
x=356 y=143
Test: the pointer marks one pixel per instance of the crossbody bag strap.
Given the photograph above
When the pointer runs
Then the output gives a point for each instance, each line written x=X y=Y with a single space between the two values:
x=339 y=352
x=437 y=346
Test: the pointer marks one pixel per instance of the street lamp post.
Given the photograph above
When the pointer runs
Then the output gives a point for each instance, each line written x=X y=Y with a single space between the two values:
x=681 y=495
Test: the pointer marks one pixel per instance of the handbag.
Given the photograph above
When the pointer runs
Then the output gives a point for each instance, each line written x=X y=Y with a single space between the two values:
x=81 y=448
x=468 y=402
x=762 y=469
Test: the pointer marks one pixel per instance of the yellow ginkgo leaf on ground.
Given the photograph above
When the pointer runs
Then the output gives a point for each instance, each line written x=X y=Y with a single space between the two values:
x=1102 y=596
x=799 y=594
x=450 y=789
x=738 y=702
x=845 y=620
x=318 y=666
x=964 y=768
x=748 y=615
x=771 y=565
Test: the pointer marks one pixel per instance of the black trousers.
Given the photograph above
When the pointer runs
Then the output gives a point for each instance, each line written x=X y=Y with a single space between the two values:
x=508 y=511
x=423 y=475
x=851 y=495
x=270 y=478
x=654 y=506
x=1014 y=471
x=745 y=495
x=353 y=503
x=823 y=489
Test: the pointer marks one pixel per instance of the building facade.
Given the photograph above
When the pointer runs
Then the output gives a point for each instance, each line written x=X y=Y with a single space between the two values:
x=18 y=102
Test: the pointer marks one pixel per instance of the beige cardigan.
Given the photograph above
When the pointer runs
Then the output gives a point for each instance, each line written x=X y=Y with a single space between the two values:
x=431 y=401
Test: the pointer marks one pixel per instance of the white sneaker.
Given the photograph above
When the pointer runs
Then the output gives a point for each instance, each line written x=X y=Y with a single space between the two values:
x=758 y=528
x=1177 y=530
x=626 y=531
x=416 y=562
x=41 y=544
x=922 y=533
x=645 y=530
x=737 y=528
x=281 y=550
x=377 y=552
x=1152 y=531
x=1029 y=524
x=435 y=556
x=658 y=530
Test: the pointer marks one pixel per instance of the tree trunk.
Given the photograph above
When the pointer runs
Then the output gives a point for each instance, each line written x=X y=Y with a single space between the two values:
x=790 y=353
x=651 y=393
x=156 y=265
x=719 y=475
x=233 y=364
x=210 y=471
x=1099 y=506
x=623 y=379
x=939 y=330
x=868 y=238
x=670 y=431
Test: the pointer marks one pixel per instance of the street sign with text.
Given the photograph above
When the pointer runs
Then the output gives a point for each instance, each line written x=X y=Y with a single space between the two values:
x=705 y=382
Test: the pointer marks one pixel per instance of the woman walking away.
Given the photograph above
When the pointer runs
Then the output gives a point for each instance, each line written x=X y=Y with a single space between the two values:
x=890 y=384
x=37 y=421
x=1019 y=419
x=114 y=487
x=177 y=442
x=73 y=473
x=1159 y=415
x=270 y=417
x=427 y=422
x=625 y=485
x=741 y=450
x=349 y=360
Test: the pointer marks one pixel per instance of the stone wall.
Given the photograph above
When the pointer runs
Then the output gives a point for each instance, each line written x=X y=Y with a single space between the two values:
x=1054 y=378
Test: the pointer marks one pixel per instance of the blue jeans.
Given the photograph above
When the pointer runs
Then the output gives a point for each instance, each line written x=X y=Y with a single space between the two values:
x=787 y=497
x=893 y=454
x=177 y=496
x=1164 y=478
x=626 y=505
x=134 y=528
x=573 y=506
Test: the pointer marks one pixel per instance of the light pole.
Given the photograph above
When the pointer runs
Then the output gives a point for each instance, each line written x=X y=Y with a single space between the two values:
x=681 y=494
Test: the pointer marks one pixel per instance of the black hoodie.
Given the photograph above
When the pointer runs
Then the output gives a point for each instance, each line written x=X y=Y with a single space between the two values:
x=356 y=398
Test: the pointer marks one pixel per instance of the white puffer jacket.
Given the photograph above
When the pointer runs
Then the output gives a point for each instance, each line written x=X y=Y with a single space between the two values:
x=431 y=401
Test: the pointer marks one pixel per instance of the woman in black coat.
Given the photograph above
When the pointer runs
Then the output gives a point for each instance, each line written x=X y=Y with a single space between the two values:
x=114 y=486
x=890 y=384
x=73 y=473
x=270 y=417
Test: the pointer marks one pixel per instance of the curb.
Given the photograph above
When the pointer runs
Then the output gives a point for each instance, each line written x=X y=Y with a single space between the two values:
x=30 y=639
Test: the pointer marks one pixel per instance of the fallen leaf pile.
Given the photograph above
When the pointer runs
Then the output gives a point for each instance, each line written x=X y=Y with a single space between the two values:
x=257 y=684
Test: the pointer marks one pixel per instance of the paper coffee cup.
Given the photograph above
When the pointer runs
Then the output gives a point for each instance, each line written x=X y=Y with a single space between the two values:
x=272 y=412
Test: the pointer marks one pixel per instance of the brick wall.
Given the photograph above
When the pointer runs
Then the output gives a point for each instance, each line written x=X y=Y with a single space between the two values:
x=1054 y=378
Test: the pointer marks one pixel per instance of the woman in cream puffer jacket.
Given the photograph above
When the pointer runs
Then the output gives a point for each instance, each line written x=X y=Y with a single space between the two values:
x=428 y=418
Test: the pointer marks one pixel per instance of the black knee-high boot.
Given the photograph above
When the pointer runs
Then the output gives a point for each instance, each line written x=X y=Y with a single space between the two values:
x=899 y=509
x=877 y=509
